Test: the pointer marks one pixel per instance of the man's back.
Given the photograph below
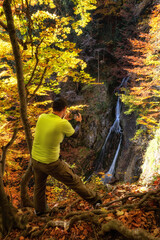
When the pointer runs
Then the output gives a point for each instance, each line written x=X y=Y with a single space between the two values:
x=49 y=133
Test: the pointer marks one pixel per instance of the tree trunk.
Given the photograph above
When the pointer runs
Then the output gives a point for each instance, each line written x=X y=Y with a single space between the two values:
x=21 y=90
x=6 y=217
x=141 y=7
x=8 y=214
x=25 y=200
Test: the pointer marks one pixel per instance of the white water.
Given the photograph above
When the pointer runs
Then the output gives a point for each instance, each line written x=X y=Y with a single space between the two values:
x=118 y=130
x=115 y=128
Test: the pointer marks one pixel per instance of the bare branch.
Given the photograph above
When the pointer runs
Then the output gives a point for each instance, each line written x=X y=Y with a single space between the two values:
x=36 y=64
x=141 y=7
x=37 y=60
x=4 y=25
x=40 y=83
x=5 y=149
x=20 y=41
x=29 y=23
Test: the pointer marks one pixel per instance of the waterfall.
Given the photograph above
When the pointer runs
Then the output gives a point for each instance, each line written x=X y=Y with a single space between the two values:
x=115 y=129
x=118 y=130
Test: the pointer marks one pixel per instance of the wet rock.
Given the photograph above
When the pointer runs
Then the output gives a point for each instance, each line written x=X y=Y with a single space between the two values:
x=130 y=159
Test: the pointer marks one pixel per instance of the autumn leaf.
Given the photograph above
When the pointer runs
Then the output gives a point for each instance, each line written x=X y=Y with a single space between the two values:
x=119 y=213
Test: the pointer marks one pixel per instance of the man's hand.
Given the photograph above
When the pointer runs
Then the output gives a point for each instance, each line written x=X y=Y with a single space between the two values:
x=67 y=116
x=78 y=117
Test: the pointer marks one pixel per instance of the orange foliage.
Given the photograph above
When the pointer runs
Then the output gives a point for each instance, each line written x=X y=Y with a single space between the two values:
x=144 y=95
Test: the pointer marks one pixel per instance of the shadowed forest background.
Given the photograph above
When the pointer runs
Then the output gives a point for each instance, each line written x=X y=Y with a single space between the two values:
x=82 y=50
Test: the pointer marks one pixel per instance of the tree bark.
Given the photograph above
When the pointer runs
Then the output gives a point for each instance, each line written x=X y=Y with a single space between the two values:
x=21 y=90
x=141 y=7
x=19 y=71
x=8 y=214
x=25 y=200
x=5 y=149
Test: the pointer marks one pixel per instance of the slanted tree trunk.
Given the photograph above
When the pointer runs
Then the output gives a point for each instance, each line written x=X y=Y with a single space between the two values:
x=22 y=96
x=141 y=7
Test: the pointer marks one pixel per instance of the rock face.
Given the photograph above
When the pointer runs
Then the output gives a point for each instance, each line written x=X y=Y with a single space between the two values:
x=73 y=98
x=130 y=158
x=96 y=128
x=98 y=117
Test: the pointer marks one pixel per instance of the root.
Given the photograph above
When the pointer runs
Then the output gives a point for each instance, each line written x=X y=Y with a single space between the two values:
x=144 y=197
x=135 y=234
x=85 y=217
x=51 y=223
x=76 y=201
x=97 y=217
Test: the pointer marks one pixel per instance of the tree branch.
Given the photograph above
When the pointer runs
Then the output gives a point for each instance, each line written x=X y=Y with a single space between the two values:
x=40 y=83
x=37 y=60
x=36 y=64
x=4 y=25
x=141 y=7
x=20 y=41
x=29 y=24
x=5 y=149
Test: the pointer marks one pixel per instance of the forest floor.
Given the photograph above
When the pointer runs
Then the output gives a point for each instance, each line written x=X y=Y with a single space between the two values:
x=129 y=211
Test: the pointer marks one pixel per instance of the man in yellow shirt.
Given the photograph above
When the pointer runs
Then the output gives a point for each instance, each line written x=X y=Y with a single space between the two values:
x=50 y=132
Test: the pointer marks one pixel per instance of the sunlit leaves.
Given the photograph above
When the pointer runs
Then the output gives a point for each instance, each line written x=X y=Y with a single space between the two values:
x=40 y=16
x=48 y=46
x=144 y=95
x=46 y=2
x=5 y=48
x=151 y=164
x=45 y=50
x=82 y=8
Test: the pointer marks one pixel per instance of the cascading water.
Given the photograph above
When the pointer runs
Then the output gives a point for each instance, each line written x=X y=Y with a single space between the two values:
x=114 y=130
x=118 y=130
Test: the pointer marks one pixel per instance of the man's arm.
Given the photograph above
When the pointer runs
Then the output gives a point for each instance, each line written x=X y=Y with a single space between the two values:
x=78 y=119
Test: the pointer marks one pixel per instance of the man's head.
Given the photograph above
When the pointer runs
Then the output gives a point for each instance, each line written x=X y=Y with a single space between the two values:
x=59 y=104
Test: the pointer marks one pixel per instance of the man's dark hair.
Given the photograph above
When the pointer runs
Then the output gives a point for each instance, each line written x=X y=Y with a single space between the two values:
x=59 y=104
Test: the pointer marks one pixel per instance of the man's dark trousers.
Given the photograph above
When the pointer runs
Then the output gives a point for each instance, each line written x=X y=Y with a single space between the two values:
x=62 y=172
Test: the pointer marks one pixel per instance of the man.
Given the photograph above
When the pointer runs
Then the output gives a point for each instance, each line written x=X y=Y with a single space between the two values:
x=50 y=132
